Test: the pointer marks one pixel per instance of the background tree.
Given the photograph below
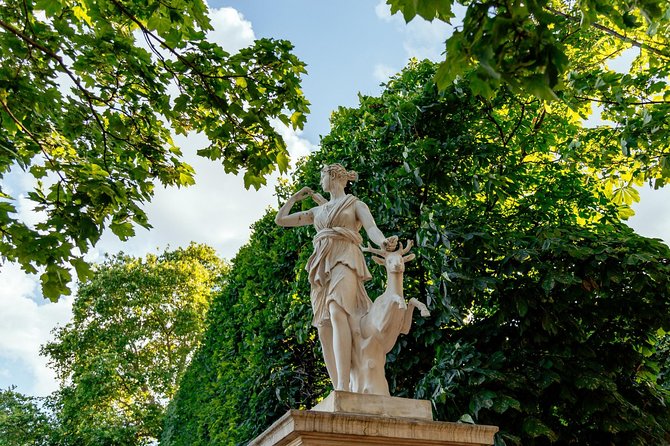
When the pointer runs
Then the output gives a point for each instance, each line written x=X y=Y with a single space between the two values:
x=548 y=313
x=259 y=356
x=136 y=324
x=135 y=71
x=566 y=50
x=23 y=421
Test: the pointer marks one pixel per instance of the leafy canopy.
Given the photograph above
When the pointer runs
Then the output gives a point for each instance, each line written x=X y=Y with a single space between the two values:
x=532 y=45
x=91 y=93
x=23 y=422
x=569 y=51
x=549 y=317
x=135 y=326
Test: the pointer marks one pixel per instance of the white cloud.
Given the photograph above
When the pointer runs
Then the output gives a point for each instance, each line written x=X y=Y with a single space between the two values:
x=623 y=62
x=297 y=147
x=425 y=40
x=24 y=327
x=652 y=214
x=382 y=72
x=26 y=212
x=231 y=30
x=383 y=12
x=421 y=39
x=17 y=183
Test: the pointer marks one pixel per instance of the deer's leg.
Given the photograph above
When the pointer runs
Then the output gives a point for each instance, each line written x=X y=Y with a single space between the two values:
x=407 y=318
x=421 y=306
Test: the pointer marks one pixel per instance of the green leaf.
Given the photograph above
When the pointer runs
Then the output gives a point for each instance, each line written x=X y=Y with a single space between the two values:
x=466 y=418
x=522 y=307
x=54 y=282
x=241 y=82
x=534 y=428
x=123 y=230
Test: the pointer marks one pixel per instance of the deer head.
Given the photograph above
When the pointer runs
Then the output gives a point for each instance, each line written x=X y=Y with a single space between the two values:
x=393 y=260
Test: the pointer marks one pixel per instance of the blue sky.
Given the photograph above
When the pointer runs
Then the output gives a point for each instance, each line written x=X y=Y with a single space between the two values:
x=345 y=44
x=350 y=47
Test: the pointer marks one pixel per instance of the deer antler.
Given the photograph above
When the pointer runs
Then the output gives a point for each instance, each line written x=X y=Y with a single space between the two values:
x=369 y=248
x=404 y=251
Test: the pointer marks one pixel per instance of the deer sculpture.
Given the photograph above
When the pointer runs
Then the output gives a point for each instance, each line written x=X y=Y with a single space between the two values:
x=388 y=317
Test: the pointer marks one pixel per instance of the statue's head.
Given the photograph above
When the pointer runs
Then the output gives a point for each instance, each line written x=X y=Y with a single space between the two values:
x=331 y=173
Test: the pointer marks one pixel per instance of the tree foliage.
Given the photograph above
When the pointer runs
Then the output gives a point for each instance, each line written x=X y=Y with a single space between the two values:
x=22 y=420
x=136 y=324
x=259 y=356
x=549 y=315
x=532 y=45
x=90 y=95
x=565 y=50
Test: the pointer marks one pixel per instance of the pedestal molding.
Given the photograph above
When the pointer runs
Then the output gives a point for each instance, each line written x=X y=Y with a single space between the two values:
x=309 y=427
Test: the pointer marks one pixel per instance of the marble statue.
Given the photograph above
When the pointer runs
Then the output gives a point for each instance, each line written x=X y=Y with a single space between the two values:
x=355 y=333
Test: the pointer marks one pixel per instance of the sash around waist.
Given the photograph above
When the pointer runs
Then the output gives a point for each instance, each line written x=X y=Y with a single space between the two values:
x=340 y=233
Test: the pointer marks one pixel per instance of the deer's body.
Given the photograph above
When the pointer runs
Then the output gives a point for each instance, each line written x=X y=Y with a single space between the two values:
x=388 y=317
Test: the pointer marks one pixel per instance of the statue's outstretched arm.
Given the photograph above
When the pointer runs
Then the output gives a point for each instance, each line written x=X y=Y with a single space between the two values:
x=365 y=217
x=304 y=218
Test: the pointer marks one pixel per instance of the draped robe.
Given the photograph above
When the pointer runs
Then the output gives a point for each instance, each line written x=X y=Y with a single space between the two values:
x=336 y=242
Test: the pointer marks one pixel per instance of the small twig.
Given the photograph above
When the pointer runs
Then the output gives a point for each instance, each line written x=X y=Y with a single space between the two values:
x=538 y=123
x=181 y=58
x=27 y=21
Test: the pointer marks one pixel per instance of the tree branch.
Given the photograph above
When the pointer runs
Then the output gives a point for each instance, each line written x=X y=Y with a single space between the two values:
x=611 y=32
x=491 y=118
x=610 y=102
x=34 y=138
x=90 y=97
x=516 y=127
x=181 y=58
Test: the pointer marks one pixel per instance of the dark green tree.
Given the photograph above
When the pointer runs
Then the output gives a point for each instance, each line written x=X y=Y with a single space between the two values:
x=548 y=313
x=136 y=324
x=98 y=149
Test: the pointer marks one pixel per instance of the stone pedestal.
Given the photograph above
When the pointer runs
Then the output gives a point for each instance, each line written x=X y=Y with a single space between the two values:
x=345 y=418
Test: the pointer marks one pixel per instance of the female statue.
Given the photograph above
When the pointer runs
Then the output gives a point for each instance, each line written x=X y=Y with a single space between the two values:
x=337 y=269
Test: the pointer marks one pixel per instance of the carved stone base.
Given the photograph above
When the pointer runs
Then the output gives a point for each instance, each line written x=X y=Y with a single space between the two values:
x=337 y=427
x=363 y=404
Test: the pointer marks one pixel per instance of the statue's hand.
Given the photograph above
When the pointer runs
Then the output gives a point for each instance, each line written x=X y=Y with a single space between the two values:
x=390 y=243
x=303 y=193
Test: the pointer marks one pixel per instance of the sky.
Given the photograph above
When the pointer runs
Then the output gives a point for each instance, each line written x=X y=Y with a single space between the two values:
x=350 y=48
